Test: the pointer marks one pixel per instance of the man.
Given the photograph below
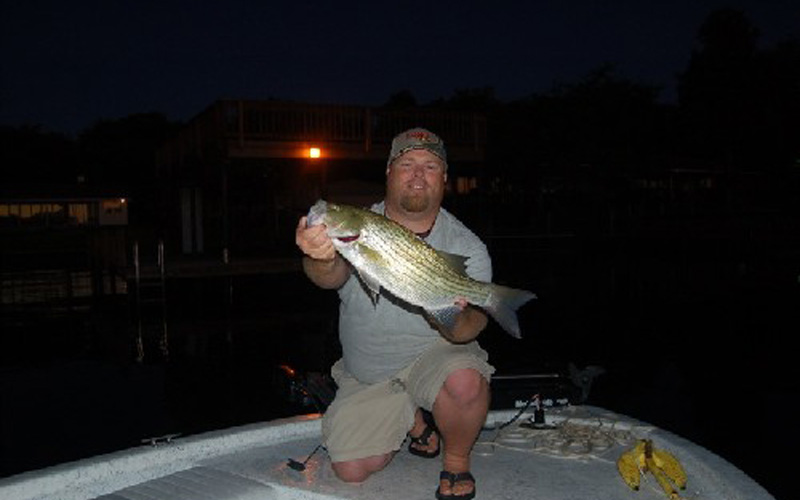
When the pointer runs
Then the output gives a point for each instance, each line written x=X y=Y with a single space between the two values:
x=394 y=362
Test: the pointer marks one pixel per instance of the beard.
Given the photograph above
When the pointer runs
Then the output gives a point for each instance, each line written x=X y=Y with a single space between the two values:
x=415 y=202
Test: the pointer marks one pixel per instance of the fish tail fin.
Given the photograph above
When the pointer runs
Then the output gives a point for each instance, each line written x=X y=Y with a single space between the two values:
x=502 y=305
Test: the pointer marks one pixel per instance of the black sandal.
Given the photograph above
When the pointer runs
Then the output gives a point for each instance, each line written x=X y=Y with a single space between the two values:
x=423 y=440
x=454 y=478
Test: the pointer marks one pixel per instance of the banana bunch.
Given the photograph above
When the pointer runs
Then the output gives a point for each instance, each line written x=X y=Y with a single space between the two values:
x=663 y=465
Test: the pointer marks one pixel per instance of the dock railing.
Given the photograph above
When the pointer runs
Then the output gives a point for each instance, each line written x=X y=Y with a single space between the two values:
x=241 y=123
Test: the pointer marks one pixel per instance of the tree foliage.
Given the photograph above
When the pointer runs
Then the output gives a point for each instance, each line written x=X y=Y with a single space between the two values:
x=29 y=155
x=739 y=103
x=122 y=151
x=603 y=121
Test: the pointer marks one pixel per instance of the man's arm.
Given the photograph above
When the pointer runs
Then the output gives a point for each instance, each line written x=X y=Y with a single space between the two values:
x=323 y=266
x=328 y=274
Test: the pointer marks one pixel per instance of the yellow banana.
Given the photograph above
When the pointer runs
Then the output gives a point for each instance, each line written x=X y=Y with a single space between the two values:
x=661 y=477
x=639 y=453
x=667 y=462
x=629 y=470
x=663 y=465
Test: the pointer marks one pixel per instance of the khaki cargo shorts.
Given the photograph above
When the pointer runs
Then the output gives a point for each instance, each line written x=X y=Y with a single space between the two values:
x=373 y=419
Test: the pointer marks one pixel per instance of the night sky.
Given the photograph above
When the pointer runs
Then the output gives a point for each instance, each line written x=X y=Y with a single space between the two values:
x=64 y=65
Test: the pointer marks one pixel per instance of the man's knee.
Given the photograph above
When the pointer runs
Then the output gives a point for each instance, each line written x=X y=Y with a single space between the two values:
x=466 y=386
x=357 y=471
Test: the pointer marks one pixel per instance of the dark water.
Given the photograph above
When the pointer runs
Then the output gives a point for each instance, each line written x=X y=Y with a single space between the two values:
x=694 y=337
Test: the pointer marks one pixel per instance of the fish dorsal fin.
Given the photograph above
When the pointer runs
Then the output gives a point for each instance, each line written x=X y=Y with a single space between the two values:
x=457 y=262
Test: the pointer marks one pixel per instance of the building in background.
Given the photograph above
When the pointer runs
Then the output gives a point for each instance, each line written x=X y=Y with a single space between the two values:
x=239 y=174
x=61 y=246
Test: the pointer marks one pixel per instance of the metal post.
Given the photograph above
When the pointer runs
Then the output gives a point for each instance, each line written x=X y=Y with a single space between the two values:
x=137 y=280
x=161 y=267
x=225 y=222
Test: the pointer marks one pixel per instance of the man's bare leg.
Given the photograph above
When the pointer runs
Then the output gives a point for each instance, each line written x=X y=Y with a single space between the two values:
x=357 y=471
x=460 y=412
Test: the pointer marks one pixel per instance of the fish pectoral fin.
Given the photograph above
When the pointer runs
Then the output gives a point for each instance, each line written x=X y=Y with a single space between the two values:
x=372 y=286
x=375 y=260
x=444 y=319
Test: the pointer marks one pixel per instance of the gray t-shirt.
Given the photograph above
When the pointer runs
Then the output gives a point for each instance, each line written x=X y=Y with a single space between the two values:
x=380 y=340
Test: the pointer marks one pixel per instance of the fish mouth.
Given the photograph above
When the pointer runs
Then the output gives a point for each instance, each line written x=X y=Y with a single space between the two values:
x=316 y=215
x=340 y=233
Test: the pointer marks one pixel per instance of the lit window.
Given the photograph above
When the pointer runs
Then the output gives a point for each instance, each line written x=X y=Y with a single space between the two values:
x=79 y=213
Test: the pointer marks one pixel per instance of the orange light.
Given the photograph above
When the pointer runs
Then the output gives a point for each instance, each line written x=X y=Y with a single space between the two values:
x=314 y=152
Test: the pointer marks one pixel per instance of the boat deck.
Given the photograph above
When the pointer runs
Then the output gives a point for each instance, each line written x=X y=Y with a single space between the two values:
x=576 y=459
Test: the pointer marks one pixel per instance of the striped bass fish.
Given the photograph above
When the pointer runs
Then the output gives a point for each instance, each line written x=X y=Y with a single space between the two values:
x=387 y=255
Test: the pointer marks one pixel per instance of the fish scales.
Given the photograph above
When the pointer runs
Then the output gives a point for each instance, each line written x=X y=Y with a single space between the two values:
x=406 y=276
x=432 y=265
x=403 y=247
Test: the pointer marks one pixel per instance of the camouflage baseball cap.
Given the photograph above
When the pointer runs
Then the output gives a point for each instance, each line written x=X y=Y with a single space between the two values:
x=417 y=138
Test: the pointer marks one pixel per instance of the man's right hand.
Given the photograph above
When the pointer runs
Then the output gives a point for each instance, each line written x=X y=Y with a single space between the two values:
x=314 y=241
x=321 y=264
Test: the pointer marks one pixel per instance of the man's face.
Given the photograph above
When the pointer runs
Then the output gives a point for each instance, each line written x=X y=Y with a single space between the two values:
x=416 y=180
